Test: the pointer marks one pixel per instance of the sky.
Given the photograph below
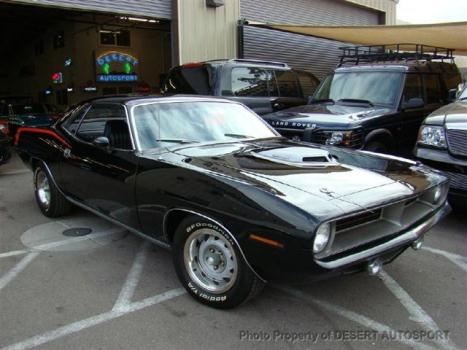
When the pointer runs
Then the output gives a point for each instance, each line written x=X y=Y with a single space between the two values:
x=432 y=11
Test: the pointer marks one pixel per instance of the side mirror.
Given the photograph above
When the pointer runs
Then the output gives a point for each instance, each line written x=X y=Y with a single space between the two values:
x=414 y=103
x=452 y=95
x=101 y=141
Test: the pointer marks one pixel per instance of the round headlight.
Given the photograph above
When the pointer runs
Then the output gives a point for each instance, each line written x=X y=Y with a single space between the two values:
x=321 y=238
x=336 y=138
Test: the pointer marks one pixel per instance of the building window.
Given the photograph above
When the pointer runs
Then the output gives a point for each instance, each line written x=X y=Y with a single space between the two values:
x=59 y=40
x=116 y=38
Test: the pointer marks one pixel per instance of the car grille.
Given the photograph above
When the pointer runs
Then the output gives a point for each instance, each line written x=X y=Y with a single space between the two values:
x=356 y=220
x=457 y=141
x=320 y=136
x=372 y=227
x=457 y=181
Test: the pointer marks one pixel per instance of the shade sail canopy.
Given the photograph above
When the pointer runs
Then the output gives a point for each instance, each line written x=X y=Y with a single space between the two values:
x=447 y=35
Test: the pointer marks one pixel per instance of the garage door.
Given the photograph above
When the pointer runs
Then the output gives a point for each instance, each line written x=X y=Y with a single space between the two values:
x=318 y=56
x=149 y=8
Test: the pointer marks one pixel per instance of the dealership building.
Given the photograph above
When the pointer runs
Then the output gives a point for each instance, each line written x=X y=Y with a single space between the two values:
x=63 y=51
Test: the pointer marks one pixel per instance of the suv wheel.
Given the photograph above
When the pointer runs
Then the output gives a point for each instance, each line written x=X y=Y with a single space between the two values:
x=377 y=147
x=210 y=265
x=49 y=199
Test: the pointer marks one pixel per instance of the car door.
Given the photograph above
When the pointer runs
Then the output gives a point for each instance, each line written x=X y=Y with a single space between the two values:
x=100 y=176
x=415 y=88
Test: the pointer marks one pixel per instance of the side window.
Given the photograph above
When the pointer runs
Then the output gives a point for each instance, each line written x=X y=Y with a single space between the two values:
x=72 y=122
x=188 y=81
x=287 y=83
x=432 y=89
x=107 y=120
x=413 y=87
x=251 y=81
x=308 y=83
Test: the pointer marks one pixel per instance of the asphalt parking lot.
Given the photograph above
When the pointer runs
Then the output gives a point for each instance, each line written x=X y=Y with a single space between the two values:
x=111 y=290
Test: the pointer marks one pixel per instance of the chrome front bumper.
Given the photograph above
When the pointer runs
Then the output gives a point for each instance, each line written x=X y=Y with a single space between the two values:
x=400 y=241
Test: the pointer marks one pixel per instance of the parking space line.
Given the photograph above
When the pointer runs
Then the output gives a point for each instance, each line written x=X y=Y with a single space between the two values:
x=16 y=172
x=63 y=242
x=415 y=310
x=13 y=253
x=353 y=316
x=132 y=280
x=456 y=259
x=11 y=275
x=93 y=321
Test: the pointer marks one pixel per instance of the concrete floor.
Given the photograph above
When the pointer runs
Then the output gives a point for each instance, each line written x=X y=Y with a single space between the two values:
x=111 y=290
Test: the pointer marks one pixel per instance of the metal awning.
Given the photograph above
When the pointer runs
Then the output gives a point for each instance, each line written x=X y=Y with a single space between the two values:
x=449 y=35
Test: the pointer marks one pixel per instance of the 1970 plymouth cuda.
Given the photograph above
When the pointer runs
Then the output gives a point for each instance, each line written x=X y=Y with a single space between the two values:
x=237 y=203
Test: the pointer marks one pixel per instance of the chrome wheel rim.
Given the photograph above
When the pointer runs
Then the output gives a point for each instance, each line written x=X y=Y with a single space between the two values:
x=210 y=260
x=43 y=189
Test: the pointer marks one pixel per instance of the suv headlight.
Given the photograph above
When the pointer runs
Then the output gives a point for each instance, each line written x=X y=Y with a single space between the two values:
x=340 y=138
x=432 y=136
x=322 y=236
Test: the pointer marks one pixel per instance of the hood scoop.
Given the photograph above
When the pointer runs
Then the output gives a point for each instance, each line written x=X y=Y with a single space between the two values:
x=297 y=156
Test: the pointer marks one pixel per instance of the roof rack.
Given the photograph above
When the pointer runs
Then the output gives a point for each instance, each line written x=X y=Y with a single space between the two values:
x=393 y=52
x=268 y=63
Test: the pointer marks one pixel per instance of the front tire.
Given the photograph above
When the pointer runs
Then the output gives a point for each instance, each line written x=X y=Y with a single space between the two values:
x=210 y=265
x=377 y=147
x=49 y=199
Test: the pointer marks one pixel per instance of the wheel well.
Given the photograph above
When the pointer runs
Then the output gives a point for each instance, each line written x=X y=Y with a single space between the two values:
x=172 y=220
x=380 y=136
x=35 y=163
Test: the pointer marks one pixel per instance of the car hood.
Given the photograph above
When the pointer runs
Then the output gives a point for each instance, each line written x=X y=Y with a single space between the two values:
x=324 y=113
x=324 y=180
x=453 y=113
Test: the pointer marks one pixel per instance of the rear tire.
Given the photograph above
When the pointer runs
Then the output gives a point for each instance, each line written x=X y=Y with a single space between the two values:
x=49 y=199
x=211 y=266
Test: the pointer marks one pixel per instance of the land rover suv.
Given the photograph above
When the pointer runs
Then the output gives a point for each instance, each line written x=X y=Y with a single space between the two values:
x=375 y=100
x=263 y=86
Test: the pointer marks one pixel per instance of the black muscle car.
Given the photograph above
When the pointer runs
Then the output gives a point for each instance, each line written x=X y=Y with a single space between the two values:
x=237 y=203
x=442 y=144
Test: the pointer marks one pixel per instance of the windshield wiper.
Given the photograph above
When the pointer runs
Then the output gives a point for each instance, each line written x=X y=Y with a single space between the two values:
x=239 y=136
x=355 y=100
x=176 y=141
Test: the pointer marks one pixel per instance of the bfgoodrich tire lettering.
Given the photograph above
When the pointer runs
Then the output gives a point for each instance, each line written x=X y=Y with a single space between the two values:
x=49 y=199
x=210 y=265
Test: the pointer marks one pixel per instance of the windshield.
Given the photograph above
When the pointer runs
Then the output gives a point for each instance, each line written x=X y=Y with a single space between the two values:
x=28 y=109
x=376 y=87
x=463 y=95
x=166 y=124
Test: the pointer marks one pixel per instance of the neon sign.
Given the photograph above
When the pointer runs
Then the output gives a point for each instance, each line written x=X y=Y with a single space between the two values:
x=116 y=67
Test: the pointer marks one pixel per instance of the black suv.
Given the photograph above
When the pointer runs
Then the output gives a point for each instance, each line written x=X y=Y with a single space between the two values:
x=263 y=86
x=375 y=100
x=442 y=144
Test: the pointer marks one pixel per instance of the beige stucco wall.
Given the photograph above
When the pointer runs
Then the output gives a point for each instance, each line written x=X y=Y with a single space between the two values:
x=206 y=32
x=386 y=6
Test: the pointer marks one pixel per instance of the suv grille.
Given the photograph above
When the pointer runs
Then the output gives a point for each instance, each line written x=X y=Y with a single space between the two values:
x=320 y=136
x=457 y=141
